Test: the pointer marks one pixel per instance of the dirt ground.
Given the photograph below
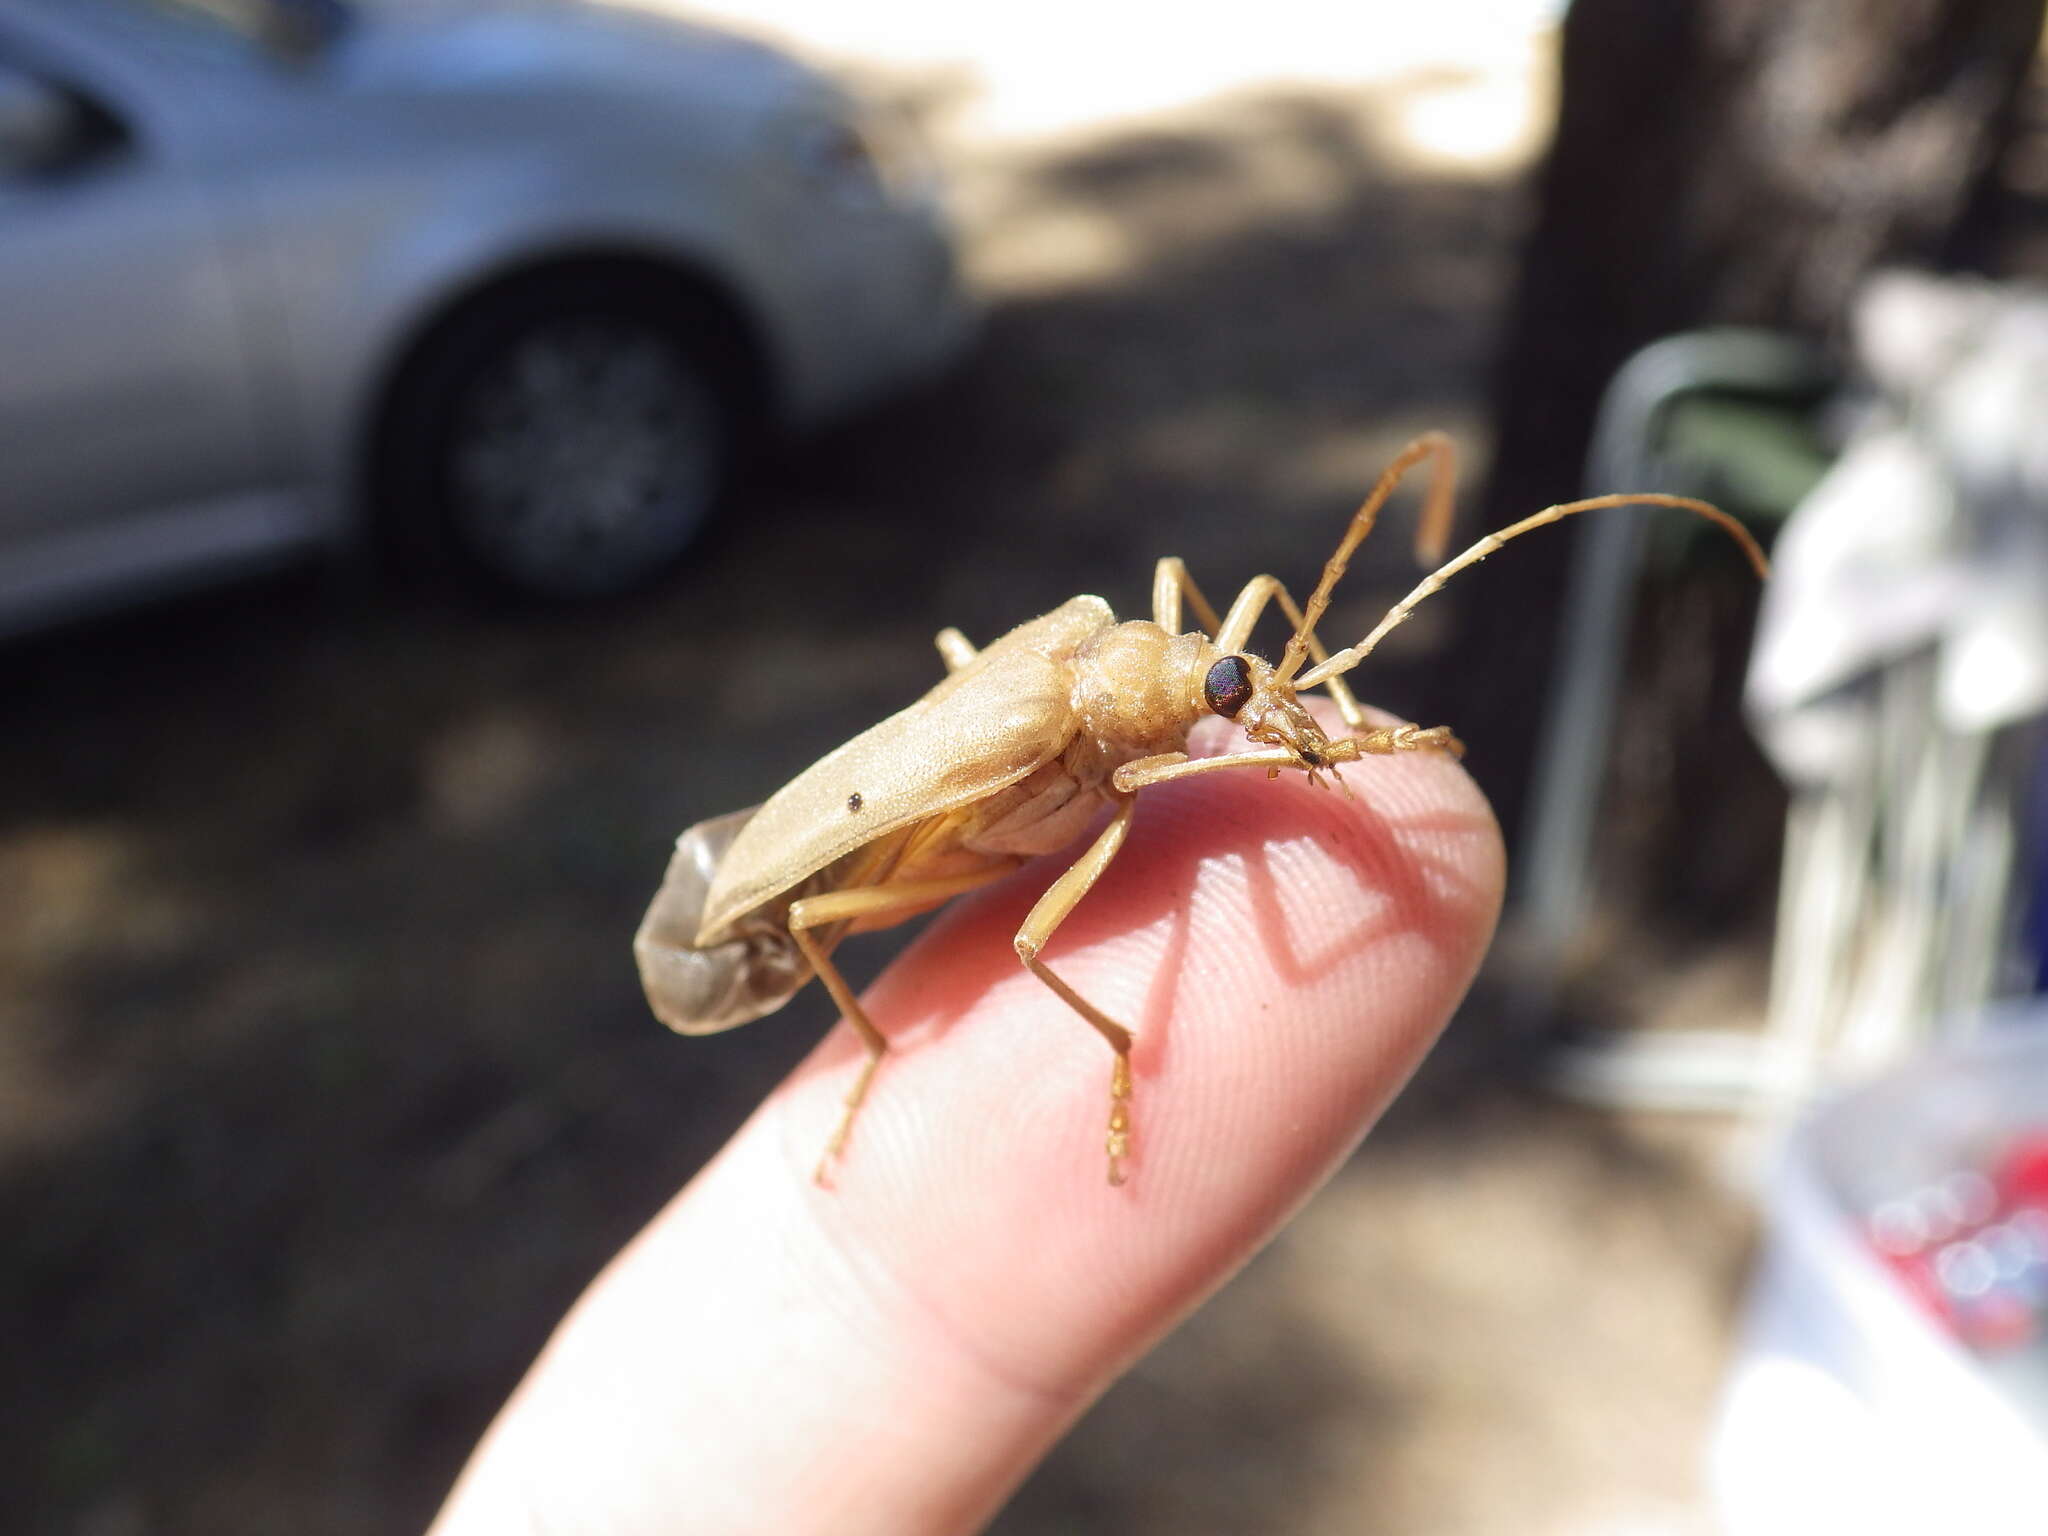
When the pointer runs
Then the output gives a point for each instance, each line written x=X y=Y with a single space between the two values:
x=325 y=1081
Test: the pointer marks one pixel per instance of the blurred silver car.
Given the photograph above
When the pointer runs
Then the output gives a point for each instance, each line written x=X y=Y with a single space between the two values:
x=503 y=287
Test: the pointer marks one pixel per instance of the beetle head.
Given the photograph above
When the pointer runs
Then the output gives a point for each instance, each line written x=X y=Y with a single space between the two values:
x=1246 y=690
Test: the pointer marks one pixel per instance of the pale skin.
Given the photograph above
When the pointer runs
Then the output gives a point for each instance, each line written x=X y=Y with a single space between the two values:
x=891 y=1356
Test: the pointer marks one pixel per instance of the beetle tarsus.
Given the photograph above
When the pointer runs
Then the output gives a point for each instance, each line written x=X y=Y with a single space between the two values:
x=829 y=1158
x=1409 y=738
x=855 y=1097
x=1118 y=1144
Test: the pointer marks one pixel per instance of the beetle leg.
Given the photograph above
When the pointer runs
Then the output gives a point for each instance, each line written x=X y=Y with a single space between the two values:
x=903 y=899
x=1170 y=583
x=1379 y=741
x=1244 y=616
x=955 y=649
x=1061 y=898
x=1410 y=738
x=1168 y=766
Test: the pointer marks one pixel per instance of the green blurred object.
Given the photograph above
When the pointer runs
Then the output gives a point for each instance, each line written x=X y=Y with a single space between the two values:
x=1754 y=456
x=1732 y=416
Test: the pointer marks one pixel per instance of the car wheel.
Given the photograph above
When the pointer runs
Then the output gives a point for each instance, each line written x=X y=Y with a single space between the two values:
x=567 y=443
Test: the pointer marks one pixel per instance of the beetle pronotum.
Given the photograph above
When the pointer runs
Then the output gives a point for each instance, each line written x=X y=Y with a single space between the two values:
x=1012 y=755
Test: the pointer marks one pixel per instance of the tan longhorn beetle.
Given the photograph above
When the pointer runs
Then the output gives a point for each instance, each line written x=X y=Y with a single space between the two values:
x=1012 y=755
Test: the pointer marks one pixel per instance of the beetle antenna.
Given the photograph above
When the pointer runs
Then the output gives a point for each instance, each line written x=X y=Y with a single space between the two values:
x=1431 y=535
x=1344 y=661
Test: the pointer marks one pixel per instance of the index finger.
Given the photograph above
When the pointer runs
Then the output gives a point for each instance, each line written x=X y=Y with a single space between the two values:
x=891 y=1354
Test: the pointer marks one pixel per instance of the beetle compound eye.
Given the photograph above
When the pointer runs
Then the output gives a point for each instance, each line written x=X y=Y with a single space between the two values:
x=1228 y=687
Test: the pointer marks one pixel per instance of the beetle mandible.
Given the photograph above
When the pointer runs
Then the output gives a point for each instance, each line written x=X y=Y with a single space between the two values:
x=1013 y=754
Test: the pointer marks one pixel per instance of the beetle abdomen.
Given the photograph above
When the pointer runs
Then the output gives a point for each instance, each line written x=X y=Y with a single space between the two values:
x=754 y=970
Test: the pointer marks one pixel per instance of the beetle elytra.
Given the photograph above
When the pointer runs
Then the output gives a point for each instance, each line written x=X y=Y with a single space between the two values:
x=1013 y=754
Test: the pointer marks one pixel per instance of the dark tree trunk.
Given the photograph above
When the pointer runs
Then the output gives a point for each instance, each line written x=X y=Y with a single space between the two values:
x=1725 y=161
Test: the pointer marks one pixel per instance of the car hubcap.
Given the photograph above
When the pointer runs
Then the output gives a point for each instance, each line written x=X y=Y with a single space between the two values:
x=586 y=458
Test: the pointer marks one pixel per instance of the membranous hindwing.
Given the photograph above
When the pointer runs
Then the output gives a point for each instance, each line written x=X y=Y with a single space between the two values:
x=701 y=991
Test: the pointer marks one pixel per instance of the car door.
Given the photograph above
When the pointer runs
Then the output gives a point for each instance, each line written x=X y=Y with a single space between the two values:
x=123 y=383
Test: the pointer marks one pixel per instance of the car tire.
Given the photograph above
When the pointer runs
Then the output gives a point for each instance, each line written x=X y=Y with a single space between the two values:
x=566 y=438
